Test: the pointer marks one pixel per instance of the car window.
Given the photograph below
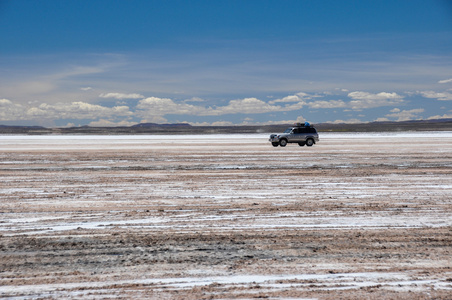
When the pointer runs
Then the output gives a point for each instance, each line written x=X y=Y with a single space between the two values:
x=301 y=130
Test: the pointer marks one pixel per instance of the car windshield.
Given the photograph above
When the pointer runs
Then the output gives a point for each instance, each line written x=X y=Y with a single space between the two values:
x=288 y=130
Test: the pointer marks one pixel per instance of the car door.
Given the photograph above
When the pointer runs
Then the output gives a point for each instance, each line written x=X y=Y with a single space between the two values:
x=303 y=132
x=297 y=136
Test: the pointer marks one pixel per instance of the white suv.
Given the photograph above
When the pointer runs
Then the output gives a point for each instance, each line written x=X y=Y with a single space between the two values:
x=303 y=134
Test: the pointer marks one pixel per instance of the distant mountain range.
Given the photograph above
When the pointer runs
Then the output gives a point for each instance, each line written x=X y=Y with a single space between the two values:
x=184 y=128
x=153 y=125
x=412 y=125
x=14 y=126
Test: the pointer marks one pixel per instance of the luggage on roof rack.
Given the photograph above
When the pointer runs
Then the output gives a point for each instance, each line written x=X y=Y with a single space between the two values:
x=305 y=124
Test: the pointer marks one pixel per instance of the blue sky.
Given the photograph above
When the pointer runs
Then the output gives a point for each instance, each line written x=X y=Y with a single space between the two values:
x=112 y=63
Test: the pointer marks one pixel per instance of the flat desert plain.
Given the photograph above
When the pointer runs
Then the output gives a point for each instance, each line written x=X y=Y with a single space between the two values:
x=356 y=216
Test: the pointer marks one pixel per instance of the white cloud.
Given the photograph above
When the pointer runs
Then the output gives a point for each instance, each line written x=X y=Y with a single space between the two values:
x=5 y=102
x=121 y=96
x=299 y=97
x=368 y=96
x=10 y=111
x=291 y=98
x=406 y=115
x=154 y=119
x=249 y=122
x=246 y=106
x=327 y=104
x=155 y=106
x=362 y=100
x=76 y=71
x=445 y=81
x=83 y=110
x=445 y=96
x=39 y=112
x=445 y=116
x=218 y=123
x=350 y=121
x=152 y=109
x=382 y=120
x=52 y=83
x=74 y=110
x=195 y=99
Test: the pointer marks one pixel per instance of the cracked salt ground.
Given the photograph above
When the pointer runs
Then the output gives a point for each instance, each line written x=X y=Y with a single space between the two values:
x=328 y=282
x=228 y=217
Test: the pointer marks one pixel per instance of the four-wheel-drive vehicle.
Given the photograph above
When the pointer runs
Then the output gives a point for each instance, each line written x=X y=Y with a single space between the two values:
x=303 y=134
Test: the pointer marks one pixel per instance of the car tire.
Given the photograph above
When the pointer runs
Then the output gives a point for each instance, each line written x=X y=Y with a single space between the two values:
x=275 y=144
x=283 y=143
x=309 y=142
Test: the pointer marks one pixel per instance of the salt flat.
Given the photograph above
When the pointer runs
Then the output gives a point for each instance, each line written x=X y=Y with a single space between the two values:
x=226 y=216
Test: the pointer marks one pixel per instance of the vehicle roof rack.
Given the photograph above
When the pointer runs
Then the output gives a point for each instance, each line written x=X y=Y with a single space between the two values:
x=306 y=124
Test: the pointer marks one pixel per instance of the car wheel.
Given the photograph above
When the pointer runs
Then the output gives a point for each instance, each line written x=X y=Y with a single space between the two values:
x=275 y=144
x=301 y=144
x=283 y=143
x=309 y=142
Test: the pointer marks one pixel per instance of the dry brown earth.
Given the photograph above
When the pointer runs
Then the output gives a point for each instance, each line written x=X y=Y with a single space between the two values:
x=357 y=216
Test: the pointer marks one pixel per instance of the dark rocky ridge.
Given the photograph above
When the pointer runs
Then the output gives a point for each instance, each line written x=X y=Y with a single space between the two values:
x=184 y=128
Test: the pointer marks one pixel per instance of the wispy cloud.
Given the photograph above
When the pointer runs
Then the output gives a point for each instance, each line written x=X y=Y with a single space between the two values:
x=10 y=111
x=363 y=100
x=444 y=116
x=404 y=115
x=445 y=81
x=121 y=96
x=155 y=106
x=77 y=110
x=165 y=106
x=442 y=96
x=60 y=111
x=250 y=106
x=327 y=104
